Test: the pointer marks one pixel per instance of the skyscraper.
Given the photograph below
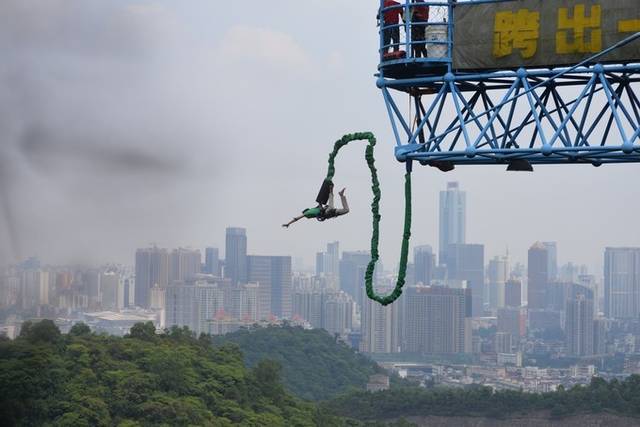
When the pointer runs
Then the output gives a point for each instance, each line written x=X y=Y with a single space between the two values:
x=559 y=293
x=452 y=218
x=512 y=321
x=308 y=304
x=466 y=262
x=437 y=320
x=513 y=293
x=338 y=313
x=333 y=259
x=328 y=309
x=328 y=264
x=212 y=261
x=589 y=281
x=192 y=305
x=424 y=262
x=320 y=263
x=34 y=288
x=353 y=266
x=235 y=261
x=184 y=264
x=110 y=284
x=152 y=267
x=273 y=274
x=91 y=280
x=599 y=336
x=538 y=275
x=498 y=274
x=579 y=326
x=552 y=259
x=380 y=327
x=503 y=342
x=622 y=283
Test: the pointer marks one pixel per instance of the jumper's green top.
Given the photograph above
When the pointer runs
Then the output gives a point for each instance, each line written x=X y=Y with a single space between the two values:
x=312 y=212
x=375 y=211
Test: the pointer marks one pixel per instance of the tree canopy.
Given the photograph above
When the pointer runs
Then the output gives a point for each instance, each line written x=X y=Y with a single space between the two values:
x=173 y=379
x=315 y=366
x=618 y=397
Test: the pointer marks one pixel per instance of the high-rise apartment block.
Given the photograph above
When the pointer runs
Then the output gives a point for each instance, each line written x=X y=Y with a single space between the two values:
x=579 y=326
x=152 y=268
x=212 y=262
x=424 y=263
x=513 y=293
x=538 y=275
x=466 y=262
x=622 y=283
x=503 y=342
x=512 y=321
x=552 y=259
x=184 y=264
x=111 y=290
x=599 y=337
x=324 y=308
x=273 y=274
x=353 y=266
x=452 y=219
x=498 y=274
x=193 y=305
x=437 y=320
x=235 y=262
x=328 y=265
x=380 y=327
x=559 y=293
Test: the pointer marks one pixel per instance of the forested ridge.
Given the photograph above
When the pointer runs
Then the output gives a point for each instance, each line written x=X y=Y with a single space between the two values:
x=315 y=365
x=173 y=379
x=615 y=397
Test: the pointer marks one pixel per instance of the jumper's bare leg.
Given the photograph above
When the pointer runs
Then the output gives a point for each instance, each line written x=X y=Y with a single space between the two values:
x=345 y=205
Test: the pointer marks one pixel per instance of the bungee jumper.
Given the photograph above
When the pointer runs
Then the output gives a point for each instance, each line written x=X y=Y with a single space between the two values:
x=324 y=210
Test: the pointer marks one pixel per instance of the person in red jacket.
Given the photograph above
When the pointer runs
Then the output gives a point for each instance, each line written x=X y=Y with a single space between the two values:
x=391 y=17
x=419 y=17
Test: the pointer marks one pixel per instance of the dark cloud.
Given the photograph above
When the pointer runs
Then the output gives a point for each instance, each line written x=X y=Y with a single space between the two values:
x=45 y=154
x=101 y=137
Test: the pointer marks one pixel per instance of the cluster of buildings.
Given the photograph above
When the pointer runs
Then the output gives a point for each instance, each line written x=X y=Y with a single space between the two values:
x=528 y=379
x=456 y=302
x=217 y=296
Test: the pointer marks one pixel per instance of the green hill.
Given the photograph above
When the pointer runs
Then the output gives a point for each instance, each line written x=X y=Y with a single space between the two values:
x=314 y=365
x=83 y=379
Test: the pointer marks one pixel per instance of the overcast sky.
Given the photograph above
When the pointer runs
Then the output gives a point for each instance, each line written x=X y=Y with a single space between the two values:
x=130 y=122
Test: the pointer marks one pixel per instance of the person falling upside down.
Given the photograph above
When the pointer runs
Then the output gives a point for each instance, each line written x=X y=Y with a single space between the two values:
x=322 y=211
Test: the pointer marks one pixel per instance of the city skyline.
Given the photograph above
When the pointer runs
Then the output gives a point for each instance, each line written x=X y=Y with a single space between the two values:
x=473 y=308
x=452 y=226
x=492 y=281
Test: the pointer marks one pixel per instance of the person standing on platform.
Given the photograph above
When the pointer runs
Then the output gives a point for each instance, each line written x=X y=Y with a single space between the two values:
x=419 y=18
x=391 y=18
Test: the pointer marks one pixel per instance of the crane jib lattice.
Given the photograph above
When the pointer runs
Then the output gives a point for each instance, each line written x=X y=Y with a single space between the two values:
x=375 y=211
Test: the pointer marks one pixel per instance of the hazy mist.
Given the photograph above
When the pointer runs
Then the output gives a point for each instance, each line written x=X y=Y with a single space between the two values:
x=130 y=122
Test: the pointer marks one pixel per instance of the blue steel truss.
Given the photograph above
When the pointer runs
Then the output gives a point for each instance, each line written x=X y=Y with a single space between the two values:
x=587 y=113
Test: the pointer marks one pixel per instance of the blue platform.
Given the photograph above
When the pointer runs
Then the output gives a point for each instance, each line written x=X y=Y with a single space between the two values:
x=583 y=113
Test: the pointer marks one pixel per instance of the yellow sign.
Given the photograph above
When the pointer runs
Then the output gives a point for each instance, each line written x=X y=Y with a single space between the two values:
x=629 y=26
x=543 y=33
x=518 y=30
x=579 y=33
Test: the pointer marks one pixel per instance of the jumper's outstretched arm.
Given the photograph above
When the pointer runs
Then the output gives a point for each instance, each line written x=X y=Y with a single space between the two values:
x=297 y=218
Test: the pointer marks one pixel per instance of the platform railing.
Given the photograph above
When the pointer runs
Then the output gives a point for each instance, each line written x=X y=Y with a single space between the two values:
x=423 y=33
